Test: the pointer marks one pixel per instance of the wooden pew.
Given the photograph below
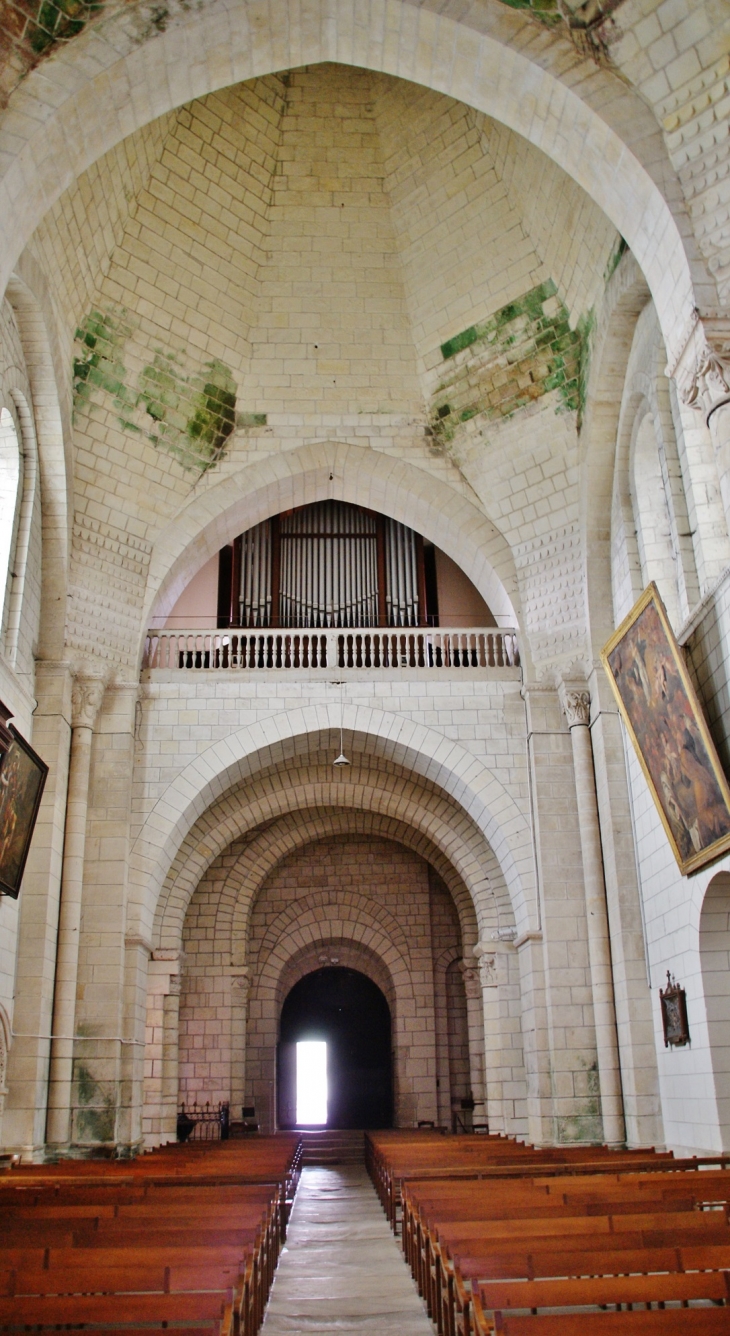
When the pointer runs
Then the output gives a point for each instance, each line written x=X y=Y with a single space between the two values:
x=178 y=1236
x=497 y=1235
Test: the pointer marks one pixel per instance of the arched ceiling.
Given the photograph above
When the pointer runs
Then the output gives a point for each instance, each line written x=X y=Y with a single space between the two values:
x=137 y=64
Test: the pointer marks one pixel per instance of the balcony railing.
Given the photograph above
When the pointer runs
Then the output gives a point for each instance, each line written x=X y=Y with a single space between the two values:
x=413 y=647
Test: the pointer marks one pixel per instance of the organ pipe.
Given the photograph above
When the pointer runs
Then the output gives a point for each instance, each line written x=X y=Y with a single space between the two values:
x=329 y=565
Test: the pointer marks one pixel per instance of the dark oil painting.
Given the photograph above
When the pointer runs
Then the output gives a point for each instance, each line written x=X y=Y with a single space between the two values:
x=22 y=777
x=664 y=718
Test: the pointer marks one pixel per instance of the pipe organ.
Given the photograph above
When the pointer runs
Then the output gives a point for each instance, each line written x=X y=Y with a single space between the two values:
x=329 y=564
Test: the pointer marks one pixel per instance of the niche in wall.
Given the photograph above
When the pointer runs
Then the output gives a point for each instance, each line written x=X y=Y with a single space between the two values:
x=330 y=564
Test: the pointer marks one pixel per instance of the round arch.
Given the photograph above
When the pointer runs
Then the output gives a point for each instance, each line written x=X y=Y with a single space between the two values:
x=233 y=40
x=414 y=815
x=365 y=938
x=714 y=942
x=262 y=856
x=236 y=758
x=343 y=472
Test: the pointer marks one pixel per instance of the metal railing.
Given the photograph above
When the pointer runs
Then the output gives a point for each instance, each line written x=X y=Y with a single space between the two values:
x=204 y=1122
x=387 y=648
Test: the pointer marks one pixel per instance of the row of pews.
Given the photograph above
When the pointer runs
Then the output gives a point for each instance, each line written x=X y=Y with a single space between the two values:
x=184 y=1239
x=569 y=1241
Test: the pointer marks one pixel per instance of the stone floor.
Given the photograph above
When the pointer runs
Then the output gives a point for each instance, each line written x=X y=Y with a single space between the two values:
x=342 y=1270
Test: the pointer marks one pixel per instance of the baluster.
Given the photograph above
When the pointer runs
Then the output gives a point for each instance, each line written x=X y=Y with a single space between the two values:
x=500 y=651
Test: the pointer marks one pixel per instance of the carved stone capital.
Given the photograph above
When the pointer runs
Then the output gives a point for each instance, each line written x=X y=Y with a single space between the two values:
x=703 y=372
x=488 y=971
x=576 y=706
x=470 y=975
x=240 y=986
x=175 y=987
x=87 y=694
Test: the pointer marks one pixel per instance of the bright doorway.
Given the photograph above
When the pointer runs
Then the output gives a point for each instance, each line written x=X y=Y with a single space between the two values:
x=312 y=1083
x=349 y=1015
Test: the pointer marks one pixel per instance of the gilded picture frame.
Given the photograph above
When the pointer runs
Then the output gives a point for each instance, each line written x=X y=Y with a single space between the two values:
x=664 y=719
x=22 y=780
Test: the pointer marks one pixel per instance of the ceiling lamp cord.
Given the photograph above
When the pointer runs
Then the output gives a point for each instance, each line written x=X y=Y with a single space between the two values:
x=341 y=759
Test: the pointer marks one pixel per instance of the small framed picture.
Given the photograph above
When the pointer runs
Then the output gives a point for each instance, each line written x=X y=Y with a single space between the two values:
x=673 y=1001
x=22 y=779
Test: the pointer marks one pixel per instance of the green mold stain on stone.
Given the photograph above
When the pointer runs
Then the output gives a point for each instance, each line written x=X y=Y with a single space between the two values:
x=58 y=21
x=99 y=365
x=95 y=1114
x=522 y=352
x=214 y=415
x=189 y=412
x=619 y=250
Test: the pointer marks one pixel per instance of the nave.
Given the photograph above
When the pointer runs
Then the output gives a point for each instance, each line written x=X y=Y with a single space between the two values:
x=500 y=1237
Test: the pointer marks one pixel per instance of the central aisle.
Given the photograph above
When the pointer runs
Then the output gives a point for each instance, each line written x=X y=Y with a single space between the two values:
x=342 y=1270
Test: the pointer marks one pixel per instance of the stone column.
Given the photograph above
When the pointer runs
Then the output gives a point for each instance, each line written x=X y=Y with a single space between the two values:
x=240 y=988
x=162 y=1047
x=504 y=1074
x=702 y=373
x=24 y=1122
x=87 y=696
x=475 y=1024
x=493 y=1060
x=576 y=705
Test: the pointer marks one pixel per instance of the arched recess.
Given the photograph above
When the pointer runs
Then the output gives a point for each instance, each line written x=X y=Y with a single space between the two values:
x=21 y=539
x=230 y=40
x=421 y=807
x=271 y=818
x=11 y=491
x=657 y=560
x=261 y=856
x=626 y=296
x=715 y=961
x=28 y=295
x=364 y=931
x=343 y=472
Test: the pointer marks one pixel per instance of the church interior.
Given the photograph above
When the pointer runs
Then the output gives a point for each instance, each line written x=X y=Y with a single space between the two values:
x=361 y=366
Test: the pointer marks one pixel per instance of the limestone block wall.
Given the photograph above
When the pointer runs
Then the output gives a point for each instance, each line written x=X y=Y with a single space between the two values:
x=537 y=1001
x=339 y=899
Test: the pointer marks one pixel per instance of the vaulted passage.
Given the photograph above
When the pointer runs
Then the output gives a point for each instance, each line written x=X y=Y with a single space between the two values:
x=349 y=1012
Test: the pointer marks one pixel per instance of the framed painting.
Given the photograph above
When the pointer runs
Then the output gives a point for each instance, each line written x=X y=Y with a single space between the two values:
x=664 y=719
x=22 y=779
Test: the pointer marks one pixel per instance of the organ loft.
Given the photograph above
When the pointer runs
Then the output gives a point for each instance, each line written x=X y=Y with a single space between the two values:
x=364 y=602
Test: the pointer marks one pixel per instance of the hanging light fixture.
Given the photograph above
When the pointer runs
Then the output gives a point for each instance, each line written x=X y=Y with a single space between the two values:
x=341 y=759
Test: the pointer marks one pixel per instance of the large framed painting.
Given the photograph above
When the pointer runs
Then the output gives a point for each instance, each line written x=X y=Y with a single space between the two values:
x=664 y=719
x=22 y=778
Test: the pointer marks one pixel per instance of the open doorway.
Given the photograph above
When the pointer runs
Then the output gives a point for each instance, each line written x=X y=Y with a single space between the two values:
x=344 y=1010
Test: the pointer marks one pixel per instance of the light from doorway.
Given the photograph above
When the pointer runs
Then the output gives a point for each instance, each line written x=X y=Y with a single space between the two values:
x=312 y=1082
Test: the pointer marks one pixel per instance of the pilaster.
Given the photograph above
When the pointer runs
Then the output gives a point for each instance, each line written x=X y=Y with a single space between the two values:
x=24 y=1121
x=574 y=1105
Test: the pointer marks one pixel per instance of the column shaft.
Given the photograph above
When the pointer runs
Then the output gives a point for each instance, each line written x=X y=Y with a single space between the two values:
x=87 y=699
x=599 y=946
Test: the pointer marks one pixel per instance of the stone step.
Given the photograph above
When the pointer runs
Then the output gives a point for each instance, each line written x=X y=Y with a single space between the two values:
x=333 y=1146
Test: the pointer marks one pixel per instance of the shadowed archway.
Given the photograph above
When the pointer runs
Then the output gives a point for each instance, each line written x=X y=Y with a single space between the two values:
x=346 y=1009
